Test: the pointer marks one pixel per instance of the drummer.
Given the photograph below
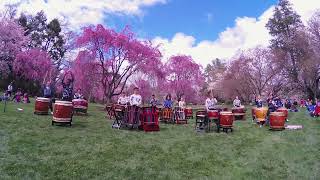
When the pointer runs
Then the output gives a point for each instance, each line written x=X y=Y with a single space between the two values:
x=153 y=101
x=258 y=102
x=122 y=100
x=47 y=93
x=168 y=103
x=67 y=88
x=135 y=98
x=78 y=94
x=237 y=102
x=210 y=103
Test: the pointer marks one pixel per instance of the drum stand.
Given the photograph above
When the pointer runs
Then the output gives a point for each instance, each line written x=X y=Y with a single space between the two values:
x=119 y=115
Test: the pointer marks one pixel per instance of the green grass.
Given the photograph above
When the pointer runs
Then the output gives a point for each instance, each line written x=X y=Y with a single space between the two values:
x=30 y=148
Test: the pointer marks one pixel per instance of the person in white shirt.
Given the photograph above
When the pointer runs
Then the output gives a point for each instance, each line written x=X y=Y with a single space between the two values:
x=237 y=102
x=135 y=98
x=122 y=100
x=182 y=103
x=78 y=94
x=209 y=102
x=10 y=89
x=214 y=101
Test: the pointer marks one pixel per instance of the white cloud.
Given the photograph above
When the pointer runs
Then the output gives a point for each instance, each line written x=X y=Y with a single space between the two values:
x=248 y=32
x=82 y=12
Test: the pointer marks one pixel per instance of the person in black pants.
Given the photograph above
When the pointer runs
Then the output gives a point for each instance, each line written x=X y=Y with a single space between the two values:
x=67 y=85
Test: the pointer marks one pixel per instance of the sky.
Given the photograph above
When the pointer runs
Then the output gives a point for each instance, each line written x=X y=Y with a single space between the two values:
x=205 y=29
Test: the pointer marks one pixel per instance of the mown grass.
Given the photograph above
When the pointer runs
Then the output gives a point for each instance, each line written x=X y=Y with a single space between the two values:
x=30 y=148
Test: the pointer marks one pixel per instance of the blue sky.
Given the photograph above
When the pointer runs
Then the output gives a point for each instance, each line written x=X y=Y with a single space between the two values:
x=203 y=29
x=203 y=20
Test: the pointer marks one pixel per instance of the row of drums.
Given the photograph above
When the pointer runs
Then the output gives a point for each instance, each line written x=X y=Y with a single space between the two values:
x=277 y=119
x=62 y=110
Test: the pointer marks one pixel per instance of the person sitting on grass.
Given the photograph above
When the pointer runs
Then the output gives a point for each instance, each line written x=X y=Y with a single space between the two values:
x=18 y=95
x=26 y=98
x=287 y=104
x=311 y=108
x=168 y=103
x=294 y=106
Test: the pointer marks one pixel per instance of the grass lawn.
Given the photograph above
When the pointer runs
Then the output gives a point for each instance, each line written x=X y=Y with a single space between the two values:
x=30 y=148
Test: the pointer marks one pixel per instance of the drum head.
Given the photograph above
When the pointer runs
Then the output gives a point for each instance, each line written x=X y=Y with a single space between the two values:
x=43 y=99
x=277 y=114
x=226 y=113
x=63 y=103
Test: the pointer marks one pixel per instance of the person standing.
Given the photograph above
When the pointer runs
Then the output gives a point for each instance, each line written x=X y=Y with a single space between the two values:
x=67 y=88
x=208 y=103
x=153 y=101
x=47 y=93
x=168 y=103
x=135 y=98
x=10 y=89
x=237 y=102
x=258 y=102
x=122 y=100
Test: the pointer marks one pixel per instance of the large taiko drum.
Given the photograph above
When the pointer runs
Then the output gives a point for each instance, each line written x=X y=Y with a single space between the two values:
x=213 y=114
x=62 y=112
x=167 y=114
x=239 y=112
x=277 y=120
x=261 y=114
x=284 y=111
x=41 y=106
x=188 y=112
x=226 y=119
x=80 y=105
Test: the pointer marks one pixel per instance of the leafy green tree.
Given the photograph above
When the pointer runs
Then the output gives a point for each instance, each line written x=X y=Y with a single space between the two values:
x=46 y=36
x=284 y=26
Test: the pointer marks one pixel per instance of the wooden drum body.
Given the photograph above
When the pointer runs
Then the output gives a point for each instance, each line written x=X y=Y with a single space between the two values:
x=239 y=113
x=150 y=119
x=277 y=120
x=80 y=105
x=62 y=112
x=167 y=114
x=284 y=111
x=213 y=115
x=226 y=119
x=188 y=112
x=42 y=106
x=261 y=114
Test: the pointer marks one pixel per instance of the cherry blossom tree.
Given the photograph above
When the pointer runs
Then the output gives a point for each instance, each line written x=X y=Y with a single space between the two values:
x=12 y=41
x=118 y=55
x=33 y=64
x=184 y=77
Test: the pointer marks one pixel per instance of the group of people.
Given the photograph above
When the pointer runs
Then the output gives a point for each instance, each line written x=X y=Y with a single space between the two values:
x=17 y=97
x=67 y=92
x=136 y=100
